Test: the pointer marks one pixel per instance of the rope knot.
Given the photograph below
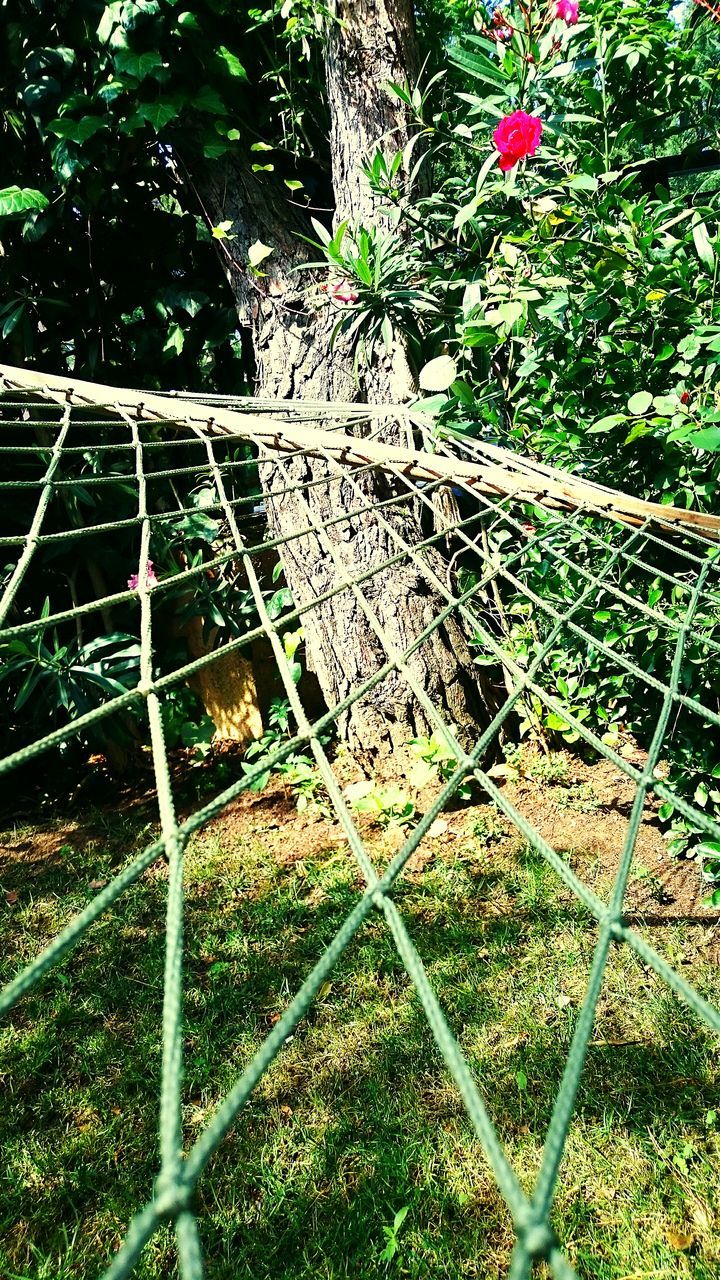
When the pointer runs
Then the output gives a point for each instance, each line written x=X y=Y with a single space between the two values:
x=538 y=1239
x=172 y=1196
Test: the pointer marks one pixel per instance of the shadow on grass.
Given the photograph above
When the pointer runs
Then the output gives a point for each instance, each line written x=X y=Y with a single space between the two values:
x=357 y=1118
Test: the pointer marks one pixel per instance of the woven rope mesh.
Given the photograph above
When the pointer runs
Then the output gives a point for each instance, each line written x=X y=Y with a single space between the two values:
x=602 y=567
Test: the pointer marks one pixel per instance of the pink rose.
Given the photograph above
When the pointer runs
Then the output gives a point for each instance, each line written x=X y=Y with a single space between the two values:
x=568 y=11
x=150 y=579
x=517 y=136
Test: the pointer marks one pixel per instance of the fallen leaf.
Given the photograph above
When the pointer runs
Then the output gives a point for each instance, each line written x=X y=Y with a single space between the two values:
x=11 y=899
x=678 y=1240
x=438 y=828
x=97 y=884
x=358 y=790
x=499 y=771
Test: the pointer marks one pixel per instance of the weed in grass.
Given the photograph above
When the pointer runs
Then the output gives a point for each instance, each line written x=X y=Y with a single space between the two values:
x=488 y=828
x=391 y=1235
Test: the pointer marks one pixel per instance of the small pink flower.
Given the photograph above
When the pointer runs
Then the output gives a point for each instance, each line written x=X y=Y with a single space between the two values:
x=150 y=578
x=568 y=11
x=341 y=291
x=517 y=136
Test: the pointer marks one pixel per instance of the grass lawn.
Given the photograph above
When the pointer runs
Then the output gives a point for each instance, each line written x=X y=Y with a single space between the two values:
x=358 y=1117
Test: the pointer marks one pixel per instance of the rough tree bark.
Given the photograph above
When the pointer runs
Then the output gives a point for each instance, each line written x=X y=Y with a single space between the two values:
x=372 y=43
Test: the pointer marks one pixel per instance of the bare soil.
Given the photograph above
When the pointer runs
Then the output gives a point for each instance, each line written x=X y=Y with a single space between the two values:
x=583 y=814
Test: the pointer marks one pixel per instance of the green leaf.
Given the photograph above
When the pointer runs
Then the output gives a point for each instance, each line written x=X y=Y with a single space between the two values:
x=708 y=849
x=188 y=21
x=233 y=65
x=175 y=340
x=604 y=424
x=554 y=721
x=76 y=130
x=18 y=200
x=708 y=439
x=703 y=245
x=190 y=300
x=258 y=252
x=438 y=374
x=206 y=99
x=400 y=1217
x=138 y=65
x=640 y=402
x=12 y=319
x=109 y=21
x=666 y=405
x=222 y=230
x=158 y=113
x=511 y=312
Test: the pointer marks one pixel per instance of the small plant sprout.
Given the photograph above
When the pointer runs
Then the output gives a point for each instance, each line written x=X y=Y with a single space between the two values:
x=387 y=805
x=435 y=761
x=391 y=1235
x=300 y=774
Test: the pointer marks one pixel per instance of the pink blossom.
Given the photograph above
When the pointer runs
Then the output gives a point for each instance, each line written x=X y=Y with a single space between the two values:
x=150 y=578
x=567 y=11
x=341 y=291
x=517 y=136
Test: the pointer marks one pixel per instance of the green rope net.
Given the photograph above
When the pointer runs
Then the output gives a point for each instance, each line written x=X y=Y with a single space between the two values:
x=52 y=452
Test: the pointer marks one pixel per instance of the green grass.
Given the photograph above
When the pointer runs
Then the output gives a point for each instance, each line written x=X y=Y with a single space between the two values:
x=358 y=1118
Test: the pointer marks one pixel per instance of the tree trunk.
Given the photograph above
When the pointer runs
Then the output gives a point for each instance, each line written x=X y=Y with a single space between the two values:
x=372 y=43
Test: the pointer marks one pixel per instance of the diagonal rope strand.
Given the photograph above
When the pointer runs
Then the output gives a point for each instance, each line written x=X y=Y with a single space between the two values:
x=494 y=486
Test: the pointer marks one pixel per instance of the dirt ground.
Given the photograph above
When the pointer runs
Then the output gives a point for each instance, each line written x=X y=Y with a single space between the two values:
x=581 y=809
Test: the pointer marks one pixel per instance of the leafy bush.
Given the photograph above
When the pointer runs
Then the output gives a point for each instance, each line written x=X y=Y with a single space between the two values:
x=577 y=317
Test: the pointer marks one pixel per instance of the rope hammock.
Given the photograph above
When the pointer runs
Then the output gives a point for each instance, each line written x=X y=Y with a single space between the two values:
x=610 y=543
x=496 y=471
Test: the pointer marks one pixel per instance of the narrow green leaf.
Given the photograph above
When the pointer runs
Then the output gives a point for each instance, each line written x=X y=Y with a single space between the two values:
x=703 y=245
